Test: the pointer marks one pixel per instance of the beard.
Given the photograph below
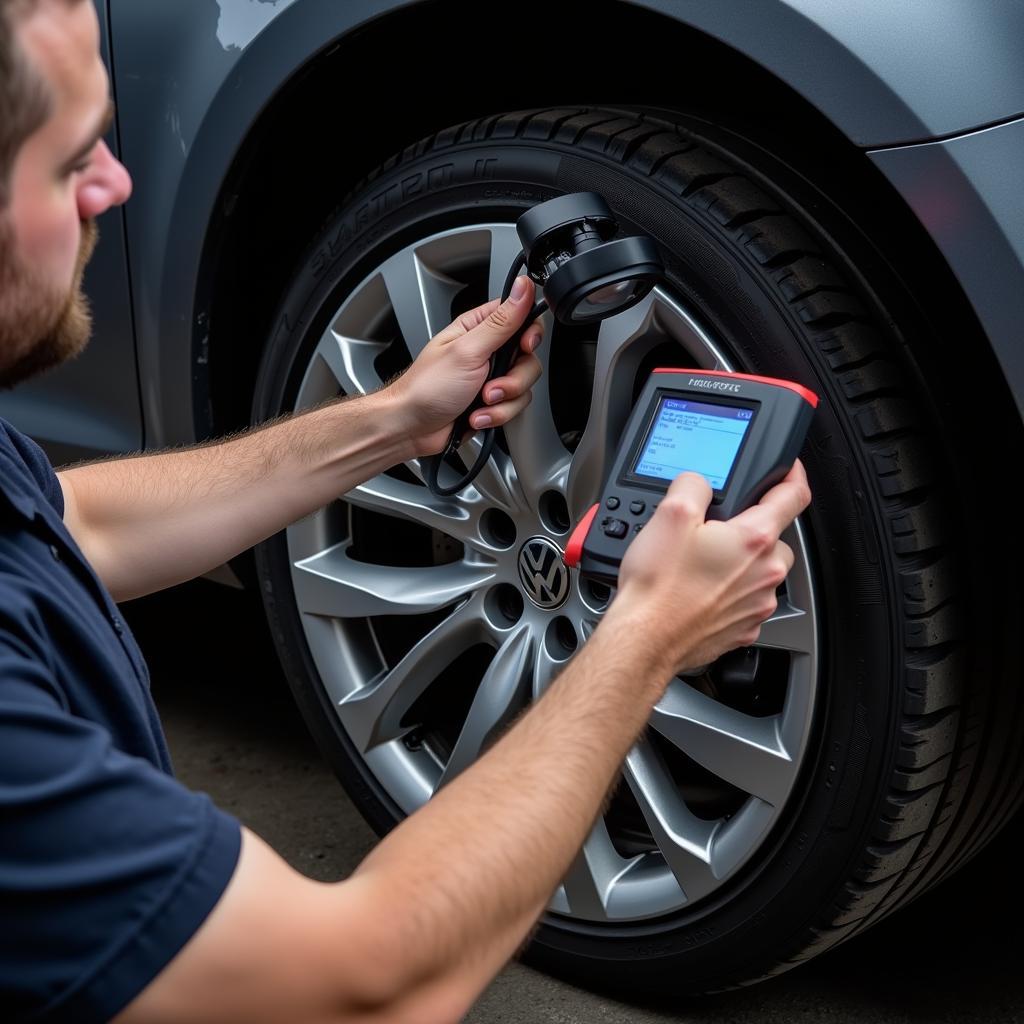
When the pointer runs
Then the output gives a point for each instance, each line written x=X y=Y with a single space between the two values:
x=40 y=326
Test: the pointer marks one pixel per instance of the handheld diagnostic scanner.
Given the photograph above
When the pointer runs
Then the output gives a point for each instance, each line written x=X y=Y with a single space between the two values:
x=742 y=433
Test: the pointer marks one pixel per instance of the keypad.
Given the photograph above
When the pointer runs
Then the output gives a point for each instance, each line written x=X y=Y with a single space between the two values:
x=614 y=528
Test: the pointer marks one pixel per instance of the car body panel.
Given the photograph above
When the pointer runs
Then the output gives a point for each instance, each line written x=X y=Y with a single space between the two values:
x=882 y=73
x=966 y=194
x=192 y=82
x=191 y=93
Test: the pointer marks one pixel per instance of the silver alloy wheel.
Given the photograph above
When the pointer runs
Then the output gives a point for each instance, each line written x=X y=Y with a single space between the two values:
x=338 y=595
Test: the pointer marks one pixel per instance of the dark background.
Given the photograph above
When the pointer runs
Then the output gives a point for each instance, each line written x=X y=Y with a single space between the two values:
x=235 y=733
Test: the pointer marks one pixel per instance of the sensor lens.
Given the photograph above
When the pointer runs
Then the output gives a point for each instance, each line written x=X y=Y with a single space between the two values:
x=608 y=299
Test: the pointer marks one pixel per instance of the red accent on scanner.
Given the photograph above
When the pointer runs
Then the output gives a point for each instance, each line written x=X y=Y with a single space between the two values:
x=574 y=549
x=804 y=393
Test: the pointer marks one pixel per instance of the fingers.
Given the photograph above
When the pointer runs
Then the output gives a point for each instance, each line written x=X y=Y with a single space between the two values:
x=501 y=322
x=786 y=557
x=689 y=495
x=499 y=415
x=507 y=396
x=782 y=504
x=789 y=498
x=518 y=380
x=798 y=473
x=465 y=322
x=532 y=338
x=492 y=324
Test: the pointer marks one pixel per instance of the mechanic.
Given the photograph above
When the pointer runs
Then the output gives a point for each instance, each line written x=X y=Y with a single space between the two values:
x=122 y=894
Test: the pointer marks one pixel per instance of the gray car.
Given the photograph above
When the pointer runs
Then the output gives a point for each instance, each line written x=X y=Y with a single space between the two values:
x=322 y=186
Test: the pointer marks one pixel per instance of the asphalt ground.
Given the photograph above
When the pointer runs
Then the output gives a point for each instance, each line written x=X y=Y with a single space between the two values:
x=234 y=732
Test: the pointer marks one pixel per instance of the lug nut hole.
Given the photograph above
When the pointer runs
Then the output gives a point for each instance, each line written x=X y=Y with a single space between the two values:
x=560 y=639
x=554 y=512
x=504 y=605
x=597 y=595
x=498 y=528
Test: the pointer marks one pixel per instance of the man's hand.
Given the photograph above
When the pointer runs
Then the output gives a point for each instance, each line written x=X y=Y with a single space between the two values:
x=704 y=588
x=448 y=374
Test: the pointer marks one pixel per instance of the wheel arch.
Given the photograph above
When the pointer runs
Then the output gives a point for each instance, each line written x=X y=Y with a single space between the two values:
x=232 y=251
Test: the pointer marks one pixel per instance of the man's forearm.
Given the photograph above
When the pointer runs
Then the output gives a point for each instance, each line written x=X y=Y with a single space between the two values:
x=469 y=873
x=149 y=522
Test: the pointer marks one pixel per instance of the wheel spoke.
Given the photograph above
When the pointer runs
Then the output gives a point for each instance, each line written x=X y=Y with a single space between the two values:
x=350 y=360
x=745 y=751
x=373 y=713
x=585 y=625
x=504 y=248
x=684 y=840
x=333 y=583
x=456 y=518
x=497 y=483
x=789 y=629
x=540 y=458
x=421 y=297
x=622 y=342
x=587 y=886
x=504 y=691
x=545 y=668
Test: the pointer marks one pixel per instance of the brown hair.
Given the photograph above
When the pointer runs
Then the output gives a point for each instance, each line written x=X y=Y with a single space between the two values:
x=24 y=96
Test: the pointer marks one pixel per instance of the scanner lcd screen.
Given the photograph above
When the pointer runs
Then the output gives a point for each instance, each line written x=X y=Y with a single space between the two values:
x=697 y=436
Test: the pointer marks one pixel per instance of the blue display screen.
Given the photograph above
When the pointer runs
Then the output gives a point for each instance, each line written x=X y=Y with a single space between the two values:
x=694 y=436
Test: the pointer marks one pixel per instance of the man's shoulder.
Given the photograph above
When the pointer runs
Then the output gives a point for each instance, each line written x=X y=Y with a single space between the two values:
x=20 y=446
x=11 y=437
x=22 y=457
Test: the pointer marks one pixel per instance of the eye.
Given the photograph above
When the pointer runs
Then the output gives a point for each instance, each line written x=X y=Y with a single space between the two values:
x=82 y=165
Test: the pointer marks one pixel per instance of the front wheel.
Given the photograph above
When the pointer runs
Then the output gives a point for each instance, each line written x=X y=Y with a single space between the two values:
x=793 y=793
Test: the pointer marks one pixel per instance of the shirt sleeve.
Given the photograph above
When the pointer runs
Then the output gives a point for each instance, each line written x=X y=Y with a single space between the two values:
x=38 y=465
x=107 y=865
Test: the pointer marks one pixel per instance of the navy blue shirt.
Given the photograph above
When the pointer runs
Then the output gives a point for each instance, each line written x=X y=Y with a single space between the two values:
x=107 y=864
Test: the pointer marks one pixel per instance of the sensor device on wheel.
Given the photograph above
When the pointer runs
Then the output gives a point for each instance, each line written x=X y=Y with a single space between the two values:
x=586 y=274
x=741 y=432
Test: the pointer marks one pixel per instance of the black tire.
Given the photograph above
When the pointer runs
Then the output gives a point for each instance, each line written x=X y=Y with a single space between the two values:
x=915 y=763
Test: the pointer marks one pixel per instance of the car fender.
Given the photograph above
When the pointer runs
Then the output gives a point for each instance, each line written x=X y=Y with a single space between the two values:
x=192 y=82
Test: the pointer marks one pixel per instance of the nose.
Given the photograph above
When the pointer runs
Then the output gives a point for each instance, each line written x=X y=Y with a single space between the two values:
x=106 y=183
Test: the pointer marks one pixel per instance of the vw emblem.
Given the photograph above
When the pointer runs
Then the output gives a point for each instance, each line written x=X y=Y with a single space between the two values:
x=543 y=573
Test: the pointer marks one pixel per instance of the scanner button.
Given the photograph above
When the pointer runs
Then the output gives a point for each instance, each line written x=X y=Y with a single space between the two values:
x=612 y=502
x=614 y=528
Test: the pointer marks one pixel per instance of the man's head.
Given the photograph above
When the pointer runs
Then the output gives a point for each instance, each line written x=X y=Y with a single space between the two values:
x=56 y=177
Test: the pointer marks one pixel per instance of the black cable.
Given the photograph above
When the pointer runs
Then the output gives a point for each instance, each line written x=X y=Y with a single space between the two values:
x=501 y=362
